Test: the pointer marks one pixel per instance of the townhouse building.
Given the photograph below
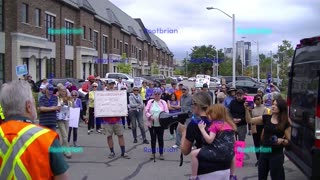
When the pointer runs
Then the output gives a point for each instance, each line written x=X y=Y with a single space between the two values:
x=107 y=33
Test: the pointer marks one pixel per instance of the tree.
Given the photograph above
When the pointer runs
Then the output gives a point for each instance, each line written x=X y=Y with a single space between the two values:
x=154 y=68
x=285 y=54
x=124 y=67
x=225 y=68
x=178 y=72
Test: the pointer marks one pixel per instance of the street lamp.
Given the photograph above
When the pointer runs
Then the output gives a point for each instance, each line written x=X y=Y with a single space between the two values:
x=257 y=42
x=233 y=45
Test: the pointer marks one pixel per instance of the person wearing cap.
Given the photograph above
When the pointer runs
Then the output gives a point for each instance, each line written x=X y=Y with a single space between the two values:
x=238 y=113
x=170 y=91
x=260 y=92
x=42 y=90
x=231 y=93
x=70 y=86
x=91 y=111
x=48 y=107
x=121 y=85
x=205 y=88
x=86 y=87
x=112 y=125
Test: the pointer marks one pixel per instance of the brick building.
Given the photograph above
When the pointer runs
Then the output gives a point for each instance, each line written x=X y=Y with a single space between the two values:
x=108 y=33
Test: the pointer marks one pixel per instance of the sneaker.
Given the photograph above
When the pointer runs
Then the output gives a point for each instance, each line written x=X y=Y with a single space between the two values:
x=175 y=146
x=99 y=131
x=152 y=156
x=125 y=155
x=161 y=157
x=145 y=141
x=135 y=141
x=233 y=177
x=112 y=155
x=89 y=132
x=75 y=144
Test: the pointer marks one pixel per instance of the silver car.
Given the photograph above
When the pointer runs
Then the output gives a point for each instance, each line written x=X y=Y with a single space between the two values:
x=214 y=83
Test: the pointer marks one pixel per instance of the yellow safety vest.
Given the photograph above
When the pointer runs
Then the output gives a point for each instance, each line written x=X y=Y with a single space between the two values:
x=1 y=113
x=12 y=166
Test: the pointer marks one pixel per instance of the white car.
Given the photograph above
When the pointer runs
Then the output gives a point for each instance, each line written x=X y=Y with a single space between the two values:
x=116 y=76
x=202 y=79
x=192 y=79
x=214 y=82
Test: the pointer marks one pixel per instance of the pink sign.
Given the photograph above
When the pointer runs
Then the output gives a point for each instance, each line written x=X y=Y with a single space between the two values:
x=239 y=152
x=249 y=98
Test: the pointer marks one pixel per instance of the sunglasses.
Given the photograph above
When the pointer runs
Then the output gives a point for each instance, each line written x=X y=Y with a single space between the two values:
x=94 y=86
x=74 y=95
x=157 y=94
x=136 y=90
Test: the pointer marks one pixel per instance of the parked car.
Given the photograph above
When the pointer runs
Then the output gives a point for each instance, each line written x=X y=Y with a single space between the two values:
x=172 y=79
x=158 y=79
x=202 y=79
x=119 y=75
x=184 y=78
x=214 y=82
x=55 y=82
x=304 y=107
x=239 y=78
x=250 y=86
x=179 y=78
x=192 y=79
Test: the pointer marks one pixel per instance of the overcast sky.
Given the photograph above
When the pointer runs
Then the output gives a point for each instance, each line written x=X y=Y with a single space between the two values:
x=287 y=19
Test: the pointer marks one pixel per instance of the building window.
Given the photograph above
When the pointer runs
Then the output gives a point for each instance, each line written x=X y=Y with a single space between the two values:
x=1 y=16
x=90 y=34
x=126 y=49
x=114 y=43
x=84 y=32
x=38 y=69
x=95 y=40
x=95 y=69
x=50 y=68
x=1 y=68
x=121 y=48
x=140 y=55
x=25 y=13
x=38 y=17
x=105 y=44
x=69 y=36
x=69 y=68
x=50 y=24
x=105 y=68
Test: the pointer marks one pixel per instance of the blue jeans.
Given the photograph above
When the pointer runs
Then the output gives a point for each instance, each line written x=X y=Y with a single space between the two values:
x=134 y=117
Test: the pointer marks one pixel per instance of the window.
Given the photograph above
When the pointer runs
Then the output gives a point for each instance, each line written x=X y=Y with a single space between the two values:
x=95 y=69
x=25 y=13
x=69 y=68
x=38 y=17
x=90 y=34
x=126 y=49
x=50 y=24
x=95 y=40
x=69 y=36
x=1 y=16
x=50 y=68
x=140 y=55
x=105 y=69
x=1 y=68
x=114 y=43
x=84 y=32
x=105 y=44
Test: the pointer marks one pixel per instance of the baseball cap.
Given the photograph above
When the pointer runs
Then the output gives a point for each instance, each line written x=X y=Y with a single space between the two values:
x=185 y=88
x=111 y=82
x=205 y=85
x=91 y=77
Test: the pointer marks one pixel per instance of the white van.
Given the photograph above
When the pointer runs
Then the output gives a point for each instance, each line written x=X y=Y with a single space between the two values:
x=202 y=79
x=116 y=76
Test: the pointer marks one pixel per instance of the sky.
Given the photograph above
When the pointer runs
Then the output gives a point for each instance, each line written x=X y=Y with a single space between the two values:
x=194 y=25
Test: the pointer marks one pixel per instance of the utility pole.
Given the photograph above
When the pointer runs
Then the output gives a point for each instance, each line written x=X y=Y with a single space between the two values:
x=271 y=64
x=217 y=63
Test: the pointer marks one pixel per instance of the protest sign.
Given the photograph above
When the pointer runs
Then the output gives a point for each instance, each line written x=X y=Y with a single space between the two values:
x=137 y=82
x=110 y=103
x=74 y=117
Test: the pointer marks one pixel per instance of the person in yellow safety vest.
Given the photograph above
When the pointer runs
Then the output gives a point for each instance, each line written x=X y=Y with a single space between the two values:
x=27 y=150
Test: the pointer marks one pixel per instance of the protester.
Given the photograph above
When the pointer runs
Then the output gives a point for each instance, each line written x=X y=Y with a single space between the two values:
x=31 y=82
x=178 y=92
x=87 y=86
x=153 y=109
x=76 y=103
x=149 y=92
x=121 y=85
x=136 y=114
x=276 y=135
x=48 y=107
x=191 y=134
x=42 y=91
x=91 y=111
x=238 y=114
x=220 y=97
x=19 y=107
x=64 y=101
x=112 y=125
x=174 y=107
x=221 y=128
x=170 y=90
x=143 y=92
x=230 y=96
x=70 y=86
x=193 y=90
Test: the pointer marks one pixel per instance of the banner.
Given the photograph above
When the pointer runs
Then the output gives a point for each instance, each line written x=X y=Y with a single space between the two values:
x=74 y=117
x=110 y=103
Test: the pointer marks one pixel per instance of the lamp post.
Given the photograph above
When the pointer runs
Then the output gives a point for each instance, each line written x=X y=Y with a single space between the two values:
x=257 y=42
x=233 y=45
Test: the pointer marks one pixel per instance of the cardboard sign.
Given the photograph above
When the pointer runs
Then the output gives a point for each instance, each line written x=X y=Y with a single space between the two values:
x=21 y=70
x=239 y=154
x=110 y=103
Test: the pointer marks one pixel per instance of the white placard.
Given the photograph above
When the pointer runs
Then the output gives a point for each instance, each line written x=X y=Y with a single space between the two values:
x=110 y=103
x=74 y=117
x=137 y=82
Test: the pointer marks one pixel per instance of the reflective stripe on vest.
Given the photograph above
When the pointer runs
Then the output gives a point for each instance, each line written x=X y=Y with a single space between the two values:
x=1 y=113
x=11 y=153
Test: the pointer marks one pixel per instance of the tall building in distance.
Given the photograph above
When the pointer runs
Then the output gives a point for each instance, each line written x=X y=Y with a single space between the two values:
x=243 y=52
x=228 y=52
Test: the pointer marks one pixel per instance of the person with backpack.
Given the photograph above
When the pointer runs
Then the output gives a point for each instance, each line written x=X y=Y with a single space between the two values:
x=153 y=109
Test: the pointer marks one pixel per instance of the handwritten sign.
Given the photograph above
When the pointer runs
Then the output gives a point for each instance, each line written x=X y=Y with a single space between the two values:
x=239 y=154
x=74 y=117
x=110 y=103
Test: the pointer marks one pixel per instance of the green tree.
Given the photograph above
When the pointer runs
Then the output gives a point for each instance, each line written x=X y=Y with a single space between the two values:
x=154 y=68
x=124 y=67
x=225 y=68
x=285 y=54
x=178 y=72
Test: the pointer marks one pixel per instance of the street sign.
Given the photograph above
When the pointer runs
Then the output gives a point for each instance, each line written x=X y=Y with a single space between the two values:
x=21 y=70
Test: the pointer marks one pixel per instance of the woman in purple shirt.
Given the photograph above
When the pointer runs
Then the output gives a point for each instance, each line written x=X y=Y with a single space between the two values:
x=76 y=103
x=149 y=93
x=174 y=107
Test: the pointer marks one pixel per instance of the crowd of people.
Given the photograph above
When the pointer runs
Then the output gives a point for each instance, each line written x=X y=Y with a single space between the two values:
x=217 y=120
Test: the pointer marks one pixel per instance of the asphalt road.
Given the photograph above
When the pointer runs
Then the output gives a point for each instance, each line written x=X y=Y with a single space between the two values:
x=93 y=162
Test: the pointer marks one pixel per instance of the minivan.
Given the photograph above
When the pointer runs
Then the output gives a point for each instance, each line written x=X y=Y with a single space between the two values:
x=304 y=107
x=120 y=75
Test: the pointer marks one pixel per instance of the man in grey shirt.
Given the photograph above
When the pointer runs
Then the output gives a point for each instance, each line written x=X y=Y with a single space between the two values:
x=186 y=105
